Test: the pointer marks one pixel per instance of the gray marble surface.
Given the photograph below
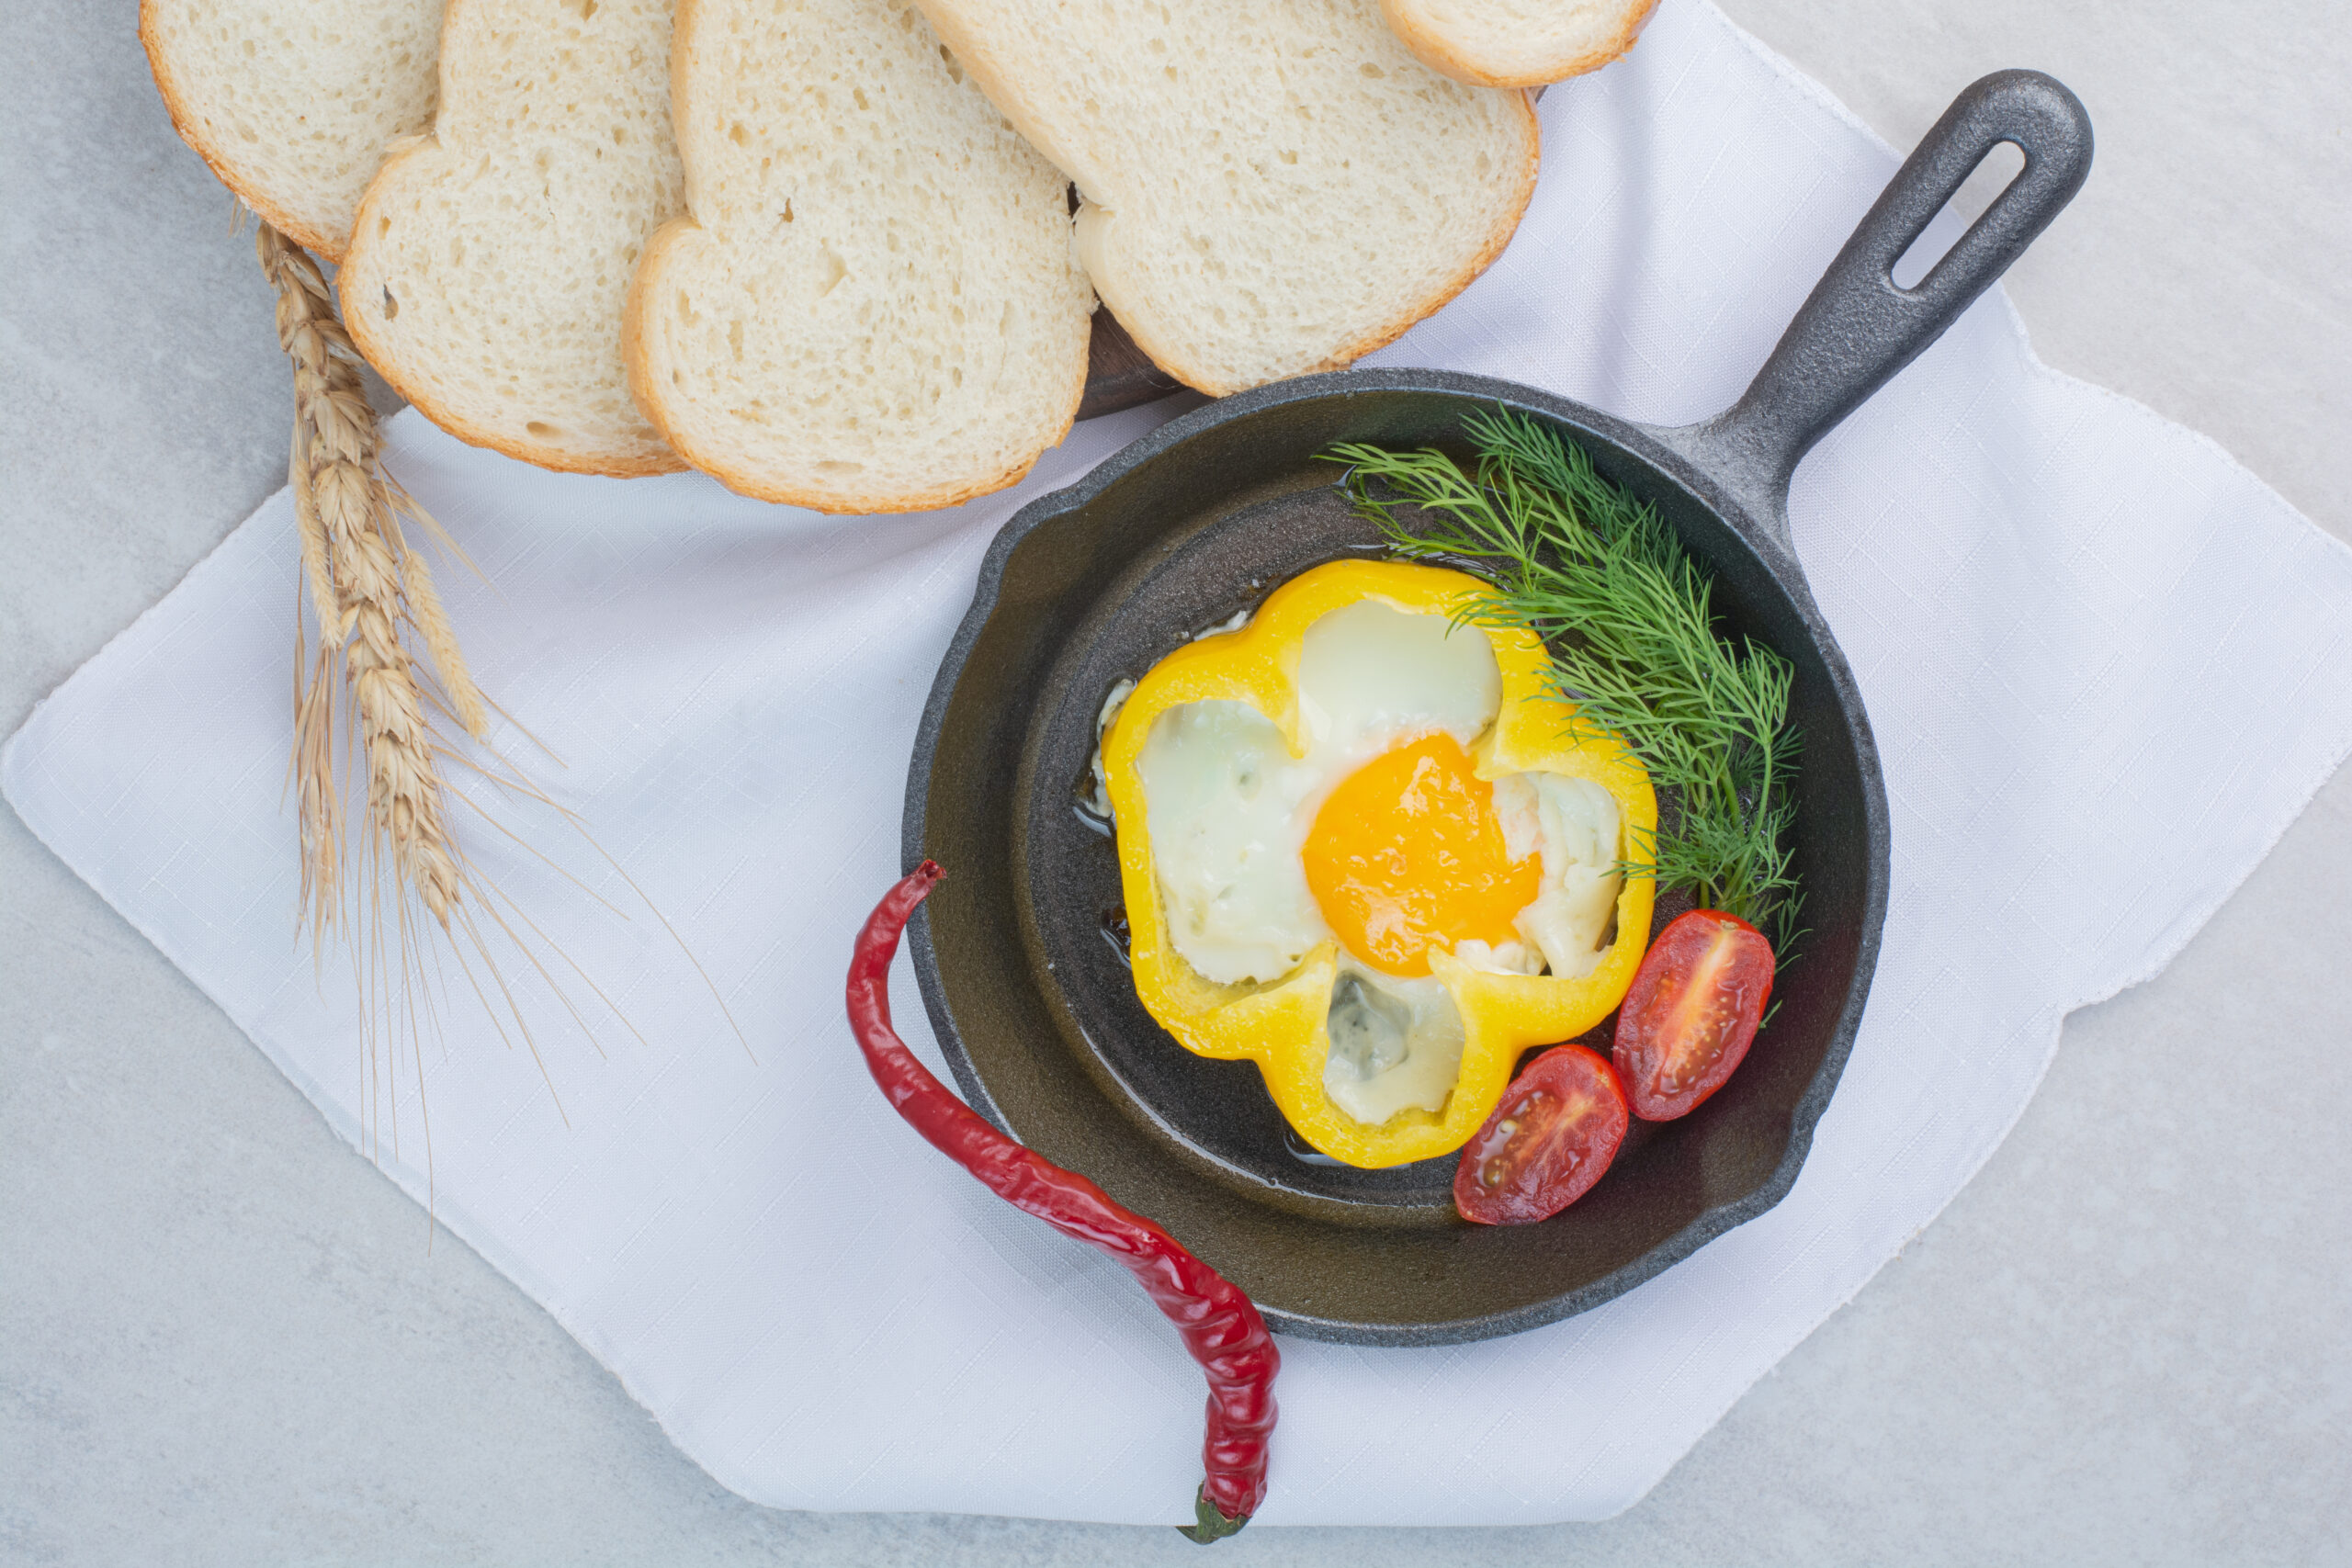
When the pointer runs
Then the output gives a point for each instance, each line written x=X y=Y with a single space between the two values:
x=2130 y=1340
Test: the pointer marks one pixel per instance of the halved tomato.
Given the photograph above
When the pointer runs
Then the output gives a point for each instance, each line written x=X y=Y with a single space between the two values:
x=1556 y=1130
x=1691 y=1012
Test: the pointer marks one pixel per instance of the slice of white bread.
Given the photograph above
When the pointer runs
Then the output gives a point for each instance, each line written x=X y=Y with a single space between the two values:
x=490 y=262
x=1272 y=187
x=1517 y=43
x=293 y=102
x=874 y=304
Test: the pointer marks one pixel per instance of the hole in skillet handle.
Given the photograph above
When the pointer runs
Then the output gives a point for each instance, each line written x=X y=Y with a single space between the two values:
x=1997 y=172
x=1859 y=328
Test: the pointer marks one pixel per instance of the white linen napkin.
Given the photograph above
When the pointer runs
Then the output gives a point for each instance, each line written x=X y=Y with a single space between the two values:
x=2106 y=667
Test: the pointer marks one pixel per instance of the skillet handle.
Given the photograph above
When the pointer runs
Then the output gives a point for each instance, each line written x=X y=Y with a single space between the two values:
x=1858 y=329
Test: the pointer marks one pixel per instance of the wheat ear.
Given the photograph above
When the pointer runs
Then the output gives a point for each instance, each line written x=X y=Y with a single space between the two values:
x=367 y=586
x=373 y=599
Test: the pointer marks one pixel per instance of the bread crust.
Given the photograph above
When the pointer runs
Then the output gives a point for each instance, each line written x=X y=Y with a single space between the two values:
x=1497 y=238
x=361 y=325
x=985 y=68
x=646 y=390
x=1449 y=56
x=644 y=387
x=191 y=129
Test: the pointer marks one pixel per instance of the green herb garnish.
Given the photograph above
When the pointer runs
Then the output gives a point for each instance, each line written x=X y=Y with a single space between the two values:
x=1623 y=611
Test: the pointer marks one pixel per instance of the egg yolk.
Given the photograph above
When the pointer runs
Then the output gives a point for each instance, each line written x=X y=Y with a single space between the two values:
x=1407 y=853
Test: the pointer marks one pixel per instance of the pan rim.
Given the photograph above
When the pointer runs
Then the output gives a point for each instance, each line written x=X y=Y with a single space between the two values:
x=1658 y=449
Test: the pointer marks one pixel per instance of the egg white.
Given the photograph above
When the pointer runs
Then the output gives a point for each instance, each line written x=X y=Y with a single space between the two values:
x=1227 y=810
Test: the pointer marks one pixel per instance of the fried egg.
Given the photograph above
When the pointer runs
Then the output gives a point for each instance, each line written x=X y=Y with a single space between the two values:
x=1381 y=836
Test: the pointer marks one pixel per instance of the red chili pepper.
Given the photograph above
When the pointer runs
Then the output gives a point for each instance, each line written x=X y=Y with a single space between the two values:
x=1220 y=1325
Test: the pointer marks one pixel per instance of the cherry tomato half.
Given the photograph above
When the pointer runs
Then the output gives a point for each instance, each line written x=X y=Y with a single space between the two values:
x=1691 y=1012
x=1556 y=1130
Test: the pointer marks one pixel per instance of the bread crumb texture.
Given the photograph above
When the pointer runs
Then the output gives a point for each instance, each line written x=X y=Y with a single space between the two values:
x=491 y=260
x=1517 y=43
x=1271 y=186
x=293 y=102
x=874 y=304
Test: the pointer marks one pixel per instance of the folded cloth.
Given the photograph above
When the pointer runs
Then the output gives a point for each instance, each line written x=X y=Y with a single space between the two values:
x=2106 y=667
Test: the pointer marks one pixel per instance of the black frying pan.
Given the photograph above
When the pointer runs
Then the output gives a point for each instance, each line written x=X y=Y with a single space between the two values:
x=1019 y=952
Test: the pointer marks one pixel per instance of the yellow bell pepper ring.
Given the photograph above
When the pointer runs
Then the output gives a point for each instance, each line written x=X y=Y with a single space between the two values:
x=1282 y=1024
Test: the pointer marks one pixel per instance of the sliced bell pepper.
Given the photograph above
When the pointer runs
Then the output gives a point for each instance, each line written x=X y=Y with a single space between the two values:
x=1280 y=1024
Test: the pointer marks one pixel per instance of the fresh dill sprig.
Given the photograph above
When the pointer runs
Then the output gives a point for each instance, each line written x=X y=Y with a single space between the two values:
x=1624 y=612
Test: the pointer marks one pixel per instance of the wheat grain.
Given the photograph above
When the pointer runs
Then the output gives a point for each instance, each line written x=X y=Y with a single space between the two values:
x=373 y=599
x=441 y=642
x=367 y=586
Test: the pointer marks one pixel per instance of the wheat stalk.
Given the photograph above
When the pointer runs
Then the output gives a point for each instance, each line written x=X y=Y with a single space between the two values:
x=373 y=599
x=371 y=596
x=366 y=587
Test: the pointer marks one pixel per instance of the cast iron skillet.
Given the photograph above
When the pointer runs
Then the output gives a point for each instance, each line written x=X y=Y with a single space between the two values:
x=1019 y=950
